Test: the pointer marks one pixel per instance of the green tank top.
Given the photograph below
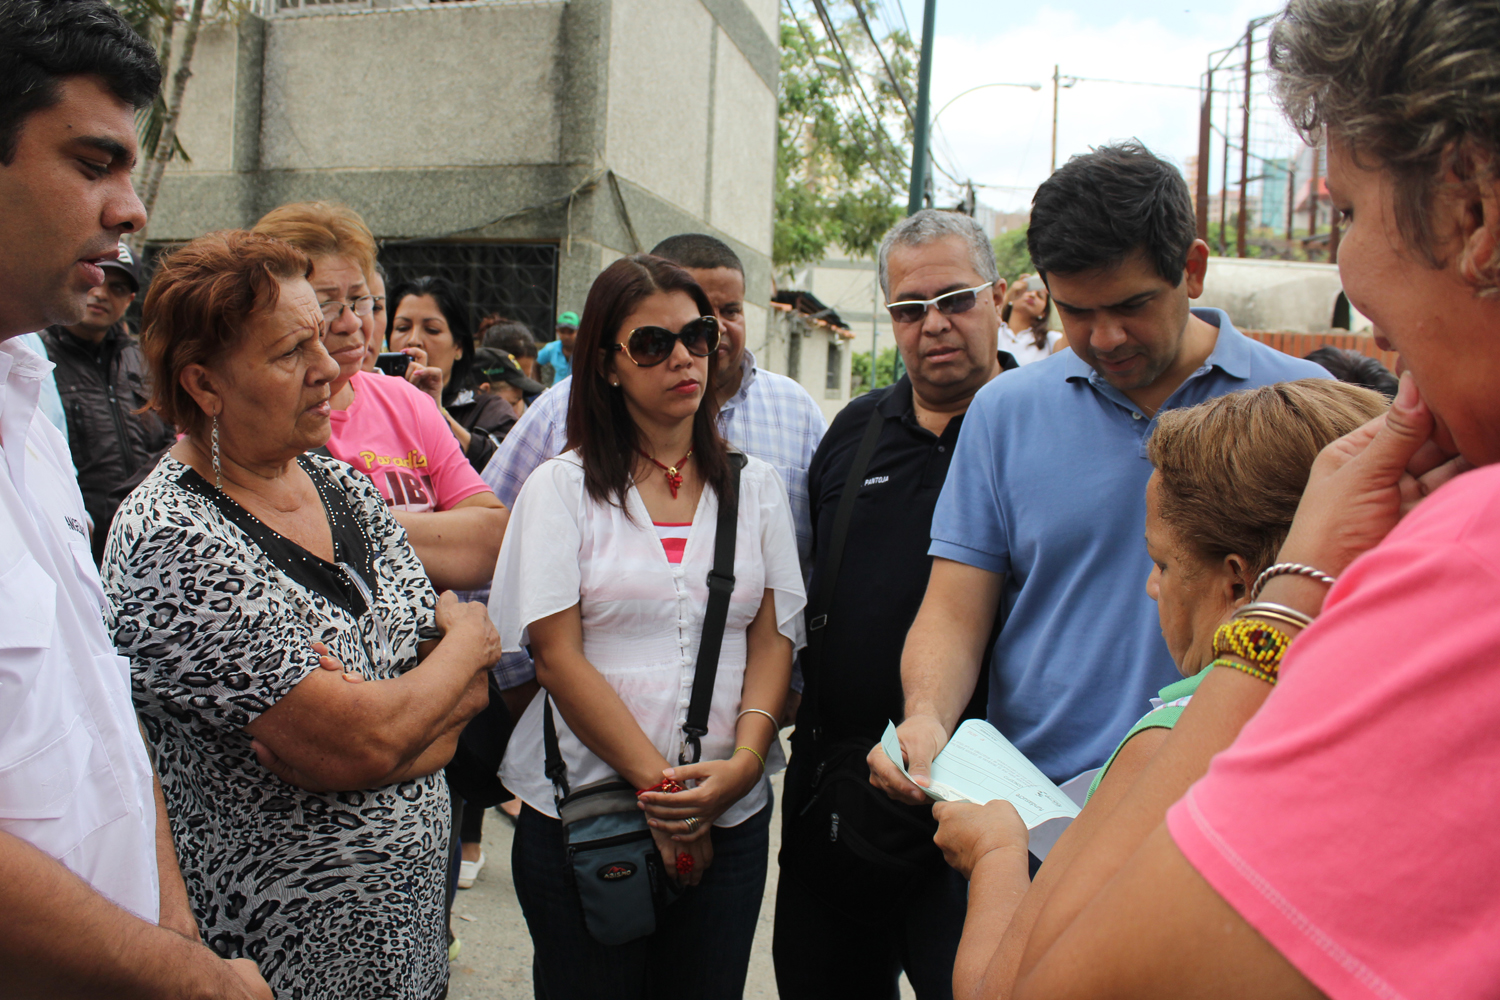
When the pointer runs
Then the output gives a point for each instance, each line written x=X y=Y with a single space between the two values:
x=1174 y=698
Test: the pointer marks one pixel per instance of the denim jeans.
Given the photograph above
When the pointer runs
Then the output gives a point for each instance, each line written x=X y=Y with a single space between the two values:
x=701 y=948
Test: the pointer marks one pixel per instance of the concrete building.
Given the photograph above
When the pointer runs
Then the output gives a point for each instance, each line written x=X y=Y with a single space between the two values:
x=516 y=145
x=1281 y=295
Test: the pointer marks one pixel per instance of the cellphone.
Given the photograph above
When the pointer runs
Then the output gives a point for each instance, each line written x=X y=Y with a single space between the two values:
x=393 y=363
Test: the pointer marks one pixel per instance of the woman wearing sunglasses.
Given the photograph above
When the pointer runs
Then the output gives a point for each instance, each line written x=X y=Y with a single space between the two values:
x=604 y=575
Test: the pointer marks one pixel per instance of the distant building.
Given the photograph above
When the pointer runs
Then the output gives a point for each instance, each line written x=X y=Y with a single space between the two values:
x=517 y=145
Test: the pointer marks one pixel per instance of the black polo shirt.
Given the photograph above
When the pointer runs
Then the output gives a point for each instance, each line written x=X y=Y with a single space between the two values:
x=885 y=566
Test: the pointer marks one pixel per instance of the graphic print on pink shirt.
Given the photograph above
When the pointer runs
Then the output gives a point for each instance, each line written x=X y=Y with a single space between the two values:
x=395 y=434
x=673 y=537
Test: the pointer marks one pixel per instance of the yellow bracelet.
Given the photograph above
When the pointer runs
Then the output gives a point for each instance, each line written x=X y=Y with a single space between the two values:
x=1253 y=671
x=1259 y=643
x=757 y=756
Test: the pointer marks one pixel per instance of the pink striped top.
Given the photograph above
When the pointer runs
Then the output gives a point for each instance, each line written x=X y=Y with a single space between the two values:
x=673 y=535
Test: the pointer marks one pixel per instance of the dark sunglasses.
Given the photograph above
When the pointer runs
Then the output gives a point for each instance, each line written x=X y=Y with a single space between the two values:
x=960 y=301
x=651 y=345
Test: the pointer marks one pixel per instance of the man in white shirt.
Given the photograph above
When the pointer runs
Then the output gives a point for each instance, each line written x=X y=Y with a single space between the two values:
x=91 y=900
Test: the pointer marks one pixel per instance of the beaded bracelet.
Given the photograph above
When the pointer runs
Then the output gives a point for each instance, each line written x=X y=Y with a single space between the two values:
x=1286 y=569
x=757 y=756
x=1255 y=672
x=1257 y=642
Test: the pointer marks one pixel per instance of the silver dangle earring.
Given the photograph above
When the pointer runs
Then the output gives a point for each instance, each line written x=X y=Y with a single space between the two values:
x=218 y=468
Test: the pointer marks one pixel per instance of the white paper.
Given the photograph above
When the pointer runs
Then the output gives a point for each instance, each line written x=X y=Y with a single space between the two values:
x=980 y=765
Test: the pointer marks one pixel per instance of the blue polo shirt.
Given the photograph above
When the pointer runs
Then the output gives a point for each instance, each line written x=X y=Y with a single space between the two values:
x=1048 y=486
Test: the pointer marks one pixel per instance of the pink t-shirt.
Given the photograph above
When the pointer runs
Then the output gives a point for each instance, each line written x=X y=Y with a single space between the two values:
x=394 y=433
x=1355 y=823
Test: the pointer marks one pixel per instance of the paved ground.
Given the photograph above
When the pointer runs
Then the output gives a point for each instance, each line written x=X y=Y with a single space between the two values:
x=495 y=961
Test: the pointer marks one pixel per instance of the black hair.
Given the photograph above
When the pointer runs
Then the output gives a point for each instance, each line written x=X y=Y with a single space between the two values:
x=1356 y=369
x=699 y=252
x=511 y=336
x=43 y=41
x=455 y=310
x=1101 y=207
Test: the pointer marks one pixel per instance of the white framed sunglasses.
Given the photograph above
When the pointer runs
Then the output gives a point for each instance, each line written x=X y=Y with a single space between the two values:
x=949 y=303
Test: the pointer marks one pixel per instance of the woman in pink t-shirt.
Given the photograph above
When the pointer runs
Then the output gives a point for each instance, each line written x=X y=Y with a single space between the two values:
x=387 y=428
x=1345 y=844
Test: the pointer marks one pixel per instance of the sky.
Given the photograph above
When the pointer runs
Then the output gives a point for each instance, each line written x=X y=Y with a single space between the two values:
x=1001 y=136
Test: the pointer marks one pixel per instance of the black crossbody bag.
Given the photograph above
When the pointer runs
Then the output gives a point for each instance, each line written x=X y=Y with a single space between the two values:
x=620 y=876
x=849 y=844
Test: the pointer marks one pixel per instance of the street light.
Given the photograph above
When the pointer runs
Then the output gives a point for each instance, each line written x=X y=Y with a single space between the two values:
x=1028 y=86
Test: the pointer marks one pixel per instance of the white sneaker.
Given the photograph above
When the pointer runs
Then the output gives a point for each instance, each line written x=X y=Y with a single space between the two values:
x=468 y=871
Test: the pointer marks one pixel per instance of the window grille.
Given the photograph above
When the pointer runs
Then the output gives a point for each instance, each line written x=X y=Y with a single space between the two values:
x=516 y=280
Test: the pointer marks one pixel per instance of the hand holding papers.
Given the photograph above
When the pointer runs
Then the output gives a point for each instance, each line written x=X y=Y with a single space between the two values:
x=979 y=765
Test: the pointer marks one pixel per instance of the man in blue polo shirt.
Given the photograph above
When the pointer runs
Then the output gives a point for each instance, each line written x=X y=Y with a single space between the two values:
x=1042 y=513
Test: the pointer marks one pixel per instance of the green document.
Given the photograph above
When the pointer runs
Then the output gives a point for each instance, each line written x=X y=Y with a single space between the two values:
x=979 y=765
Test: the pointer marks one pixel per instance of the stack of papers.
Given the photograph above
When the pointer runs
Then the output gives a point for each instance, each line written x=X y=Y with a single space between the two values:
x=980 y=765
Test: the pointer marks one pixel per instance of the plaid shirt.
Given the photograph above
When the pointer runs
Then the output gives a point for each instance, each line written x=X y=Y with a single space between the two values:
x=771 y=418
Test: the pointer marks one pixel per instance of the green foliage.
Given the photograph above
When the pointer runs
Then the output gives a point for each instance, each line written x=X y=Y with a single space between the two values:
x=885 y=371
x=841 y=163
x=1011 y=255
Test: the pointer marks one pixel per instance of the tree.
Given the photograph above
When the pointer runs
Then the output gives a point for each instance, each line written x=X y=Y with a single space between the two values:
x=844 y=135
x=1012 y=256
x=158 y=21
x=859 y=369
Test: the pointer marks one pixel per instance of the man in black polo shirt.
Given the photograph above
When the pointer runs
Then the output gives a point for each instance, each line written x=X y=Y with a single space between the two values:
x=863 y=893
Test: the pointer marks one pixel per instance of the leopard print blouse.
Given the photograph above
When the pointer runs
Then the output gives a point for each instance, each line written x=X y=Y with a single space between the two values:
x=336 y=895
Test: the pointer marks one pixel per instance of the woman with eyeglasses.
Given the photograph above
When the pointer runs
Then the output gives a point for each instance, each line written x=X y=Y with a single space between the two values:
x=386 y=427
x=606 y=578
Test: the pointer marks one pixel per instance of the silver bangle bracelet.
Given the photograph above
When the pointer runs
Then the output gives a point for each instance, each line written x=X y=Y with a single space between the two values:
x=758 y=711
x=1275 y=612
x=1289 y=569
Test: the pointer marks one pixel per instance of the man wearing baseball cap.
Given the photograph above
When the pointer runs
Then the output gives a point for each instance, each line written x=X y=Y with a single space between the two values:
x=101 y=377
x=559 y=353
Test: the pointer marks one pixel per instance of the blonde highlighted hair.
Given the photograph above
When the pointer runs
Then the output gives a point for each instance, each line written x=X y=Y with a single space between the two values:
x=1231 y=471
x=322 y=229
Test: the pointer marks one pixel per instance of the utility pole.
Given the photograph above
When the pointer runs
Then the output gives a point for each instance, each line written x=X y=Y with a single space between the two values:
x=1224 y=190
x=1245 y=144
x=1312 y=200
x=1056 y=84
x=1291 y=197
x=1205 y=136
x=919 y=151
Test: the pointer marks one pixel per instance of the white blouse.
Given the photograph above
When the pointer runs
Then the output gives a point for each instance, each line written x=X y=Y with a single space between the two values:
x=1022 y=346
x=642 y=616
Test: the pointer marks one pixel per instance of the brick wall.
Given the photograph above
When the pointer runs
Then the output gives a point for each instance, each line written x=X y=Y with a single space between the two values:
x=1299 y=344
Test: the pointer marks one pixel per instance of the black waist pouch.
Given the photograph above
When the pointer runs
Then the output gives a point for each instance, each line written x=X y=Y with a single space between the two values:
x=851 y=845
x=621 y=881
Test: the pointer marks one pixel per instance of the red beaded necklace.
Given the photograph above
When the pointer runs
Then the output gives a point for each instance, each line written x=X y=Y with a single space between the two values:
x=674 y=476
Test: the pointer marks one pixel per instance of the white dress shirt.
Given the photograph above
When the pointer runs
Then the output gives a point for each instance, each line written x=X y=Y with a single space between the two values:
x=642 y=615
x=75 y=781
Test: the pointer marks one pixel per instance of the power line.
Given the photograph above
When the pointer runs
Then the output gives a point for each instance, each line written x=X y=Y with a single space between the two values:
x=894 y=82
x=850 y=75
x=894 y=187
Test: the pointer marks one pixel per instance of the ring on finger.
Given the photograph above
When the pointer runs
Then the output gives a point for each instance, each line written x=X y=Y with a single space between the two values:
x=692 y=824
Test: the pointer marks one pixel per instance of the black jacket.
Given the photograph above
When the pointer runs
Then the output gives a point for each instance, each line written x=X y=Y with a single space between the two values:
x=487 y=418
x=102 y=386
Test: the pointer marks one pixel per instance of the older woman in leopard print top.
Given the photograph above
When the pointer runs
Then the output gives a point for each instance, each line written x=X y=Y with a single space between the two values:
x=308 y=805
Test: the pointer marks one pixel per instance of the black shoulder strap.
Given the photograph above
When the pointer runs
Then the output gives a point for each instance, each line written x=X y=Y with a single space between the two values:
x=553 y=768
x=817 y=611
x=720 y=586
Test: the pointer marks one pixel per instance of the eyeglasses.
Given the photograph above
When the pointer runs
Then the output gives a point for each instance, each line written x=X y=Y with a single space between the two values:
x=651 y=345
x=949 y=304
x=333 y=308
